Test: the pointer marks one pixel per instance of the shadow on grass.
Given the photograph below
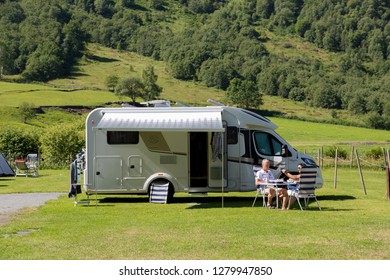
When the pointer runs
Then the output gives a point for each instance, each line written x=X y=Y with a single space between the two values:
x=204 y=202
x=335 y=197
x=216 y=202
x=102 y=59
x=3 y=182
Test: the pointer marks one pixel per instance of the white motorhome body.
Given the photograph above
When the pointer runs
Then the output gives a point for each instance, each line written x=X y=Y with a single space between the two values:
x=194 y=149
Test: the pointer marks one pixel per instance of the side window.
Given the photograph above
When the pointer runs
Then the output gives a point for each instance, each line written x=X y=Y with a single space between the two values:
x=267 y=144
x=122 y=137
x=232 y=135
x=277 y=147
x=262 y=143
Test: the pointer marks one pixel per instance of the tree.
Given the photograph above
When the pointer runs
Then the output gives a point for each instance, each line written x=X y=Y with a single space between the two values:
x=130 y=87
x=26 y=111
x=244 y=93
x=216 y=73
x=265 y=8
x=111 y=82
x=324 y=96
x=156 y=4
x=152 y=90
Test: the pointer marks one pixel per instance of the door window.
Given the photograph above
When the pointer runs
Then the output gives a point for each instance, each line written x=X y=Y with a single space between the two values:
x=267 y=144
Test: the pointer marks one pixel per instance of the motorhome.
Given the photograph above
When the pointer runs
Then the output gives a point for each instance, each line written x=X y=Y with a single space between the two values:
x=193 y=149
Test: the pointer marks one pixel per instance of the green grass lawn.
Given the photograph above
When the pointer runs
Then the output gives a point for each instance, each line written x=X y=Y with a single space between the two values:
x=352 y=225
x=12 y=95
x=301 y=133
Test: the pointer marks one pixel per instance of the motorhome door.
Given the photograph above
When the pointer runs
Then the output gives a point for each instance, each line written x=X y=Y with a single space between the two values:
x=198 y=159
x=108 y=172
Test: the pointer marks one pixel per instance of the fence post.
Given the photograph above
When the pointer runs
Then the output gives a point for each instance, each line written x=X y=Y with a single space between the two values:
x=360 y=172
x=335 y=169
x=319 y=157
x=388 y=175
x=352 y=152
x=322 y=156
x=388 y=181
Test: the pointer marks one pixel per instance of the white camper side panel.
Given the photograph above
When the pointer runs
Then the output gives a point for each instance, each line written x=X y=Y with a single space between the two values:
x=126 y=167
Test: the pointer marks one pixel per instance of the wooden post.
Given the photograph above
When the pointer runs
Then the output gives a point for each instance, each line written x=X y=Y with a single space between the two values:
x=322 y=156
x=360 y=172
x=388 y=175
x=352 y=153
x=388 y=158
x=388 y=181
x=335 y=169
x=319 y=157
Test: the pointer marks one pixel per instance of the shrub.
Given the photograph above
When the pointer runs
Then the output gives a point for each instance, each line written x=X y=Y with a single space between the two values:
x=375 y=153
x=26 y=111
x=331 y=152
x=15 y=142
x=61 y=143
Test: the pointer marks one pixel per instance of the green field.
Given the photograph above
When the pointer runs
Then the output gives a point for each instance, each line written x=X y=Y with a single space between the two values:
x=351 y=225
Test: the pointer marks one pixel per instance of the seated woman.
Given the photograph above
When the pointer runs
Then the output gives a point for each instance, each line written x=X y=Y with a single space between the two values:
x=294 y=177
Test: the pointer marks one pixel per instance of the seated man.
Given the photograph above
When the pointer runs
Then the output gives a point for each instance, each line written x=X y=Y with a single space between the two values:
x=264 y=175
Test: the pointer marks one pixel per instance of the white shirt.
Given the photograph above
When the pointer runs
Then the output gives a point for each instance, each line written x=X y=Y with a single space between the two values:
x=264 y=175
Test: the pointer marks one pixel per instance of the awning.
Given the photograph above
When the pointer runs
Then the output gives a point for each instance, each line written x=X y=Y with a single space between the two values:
x=162 y=120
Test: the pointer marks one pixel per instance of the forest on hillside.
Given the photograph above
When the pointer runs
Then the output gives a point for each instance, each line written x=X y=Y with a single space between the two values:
x=216 y=43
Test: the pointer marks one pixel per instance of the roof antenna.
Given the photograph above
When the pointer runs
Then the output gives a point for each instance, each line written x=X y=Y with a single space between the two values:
x=215 y=102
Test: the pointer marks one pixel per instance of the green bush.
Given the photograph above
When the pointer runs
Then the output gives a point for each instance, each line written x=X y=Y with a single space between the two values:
x=61 y=143
x=375 y=153
x=15 y=142
x=331 y=152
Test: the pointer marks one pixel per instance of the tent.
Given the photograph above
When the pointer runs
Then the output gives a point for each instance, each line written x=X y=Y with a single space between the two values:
x=5 y=169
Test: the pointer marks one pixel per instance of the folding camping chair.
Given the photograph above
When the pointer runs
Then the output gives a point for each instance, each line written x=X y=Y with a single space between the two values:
x=27 y=166
x=262 y=190
x=305 y=188
x=159 y=193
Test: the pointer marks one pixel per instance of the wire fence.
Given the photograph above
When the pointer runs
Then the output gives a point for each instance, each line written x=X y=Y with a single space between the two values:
x=374 y=158
x=378 y=159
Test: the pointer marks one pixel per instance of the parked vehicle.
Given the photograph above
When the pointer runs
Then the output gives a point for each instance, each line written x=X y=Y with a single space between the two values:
x=194 y=149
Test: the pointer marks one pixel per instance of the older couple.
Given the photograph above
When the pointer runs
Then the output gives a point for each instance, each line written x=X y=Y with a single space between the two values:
x=265 y=174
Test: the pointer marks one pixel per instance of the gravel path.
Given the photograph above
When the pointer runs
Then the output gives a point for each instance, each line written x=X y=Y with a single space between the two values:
x=10 y=203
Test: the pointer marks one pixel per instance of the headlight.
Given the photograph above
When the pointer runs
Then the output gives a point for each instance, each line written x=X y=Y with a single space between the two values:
x=309 y=161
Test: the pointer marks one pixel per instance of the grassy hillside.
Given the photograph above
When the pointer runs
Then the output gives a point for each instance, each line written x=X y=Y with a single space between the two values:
x=86 y=87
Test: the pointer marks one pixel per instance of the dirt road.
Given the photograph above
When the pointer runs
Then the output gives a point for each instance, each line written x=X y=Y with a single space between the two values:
x=11 y=203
